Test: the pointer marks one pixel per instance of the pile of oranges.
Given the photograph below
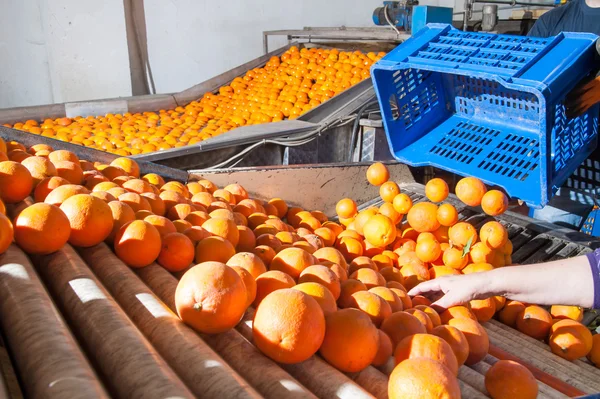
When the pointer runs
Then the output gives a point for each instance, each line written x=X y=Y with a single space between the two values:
x=335 y=289
x=285 y=88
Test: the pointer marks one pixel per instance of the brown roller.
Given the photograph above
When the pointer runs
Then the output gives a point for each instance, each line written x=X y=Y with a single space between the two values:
x=130 y=365
x=321 y=378
x=46 y=356
x=264 y=374
x=207 y=375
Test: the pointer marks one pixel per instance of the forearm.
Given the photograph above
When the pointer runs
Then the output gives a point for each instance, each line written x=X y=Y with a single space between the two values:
x=563 y=282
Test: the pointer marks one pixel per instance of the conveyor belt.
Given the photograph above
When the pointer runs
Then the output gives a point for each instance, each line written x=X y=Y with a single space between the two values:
x=111 y=331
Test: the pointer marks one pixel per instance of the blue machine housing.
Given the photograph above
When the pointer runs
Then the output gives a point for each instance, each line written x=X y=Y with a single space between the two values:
x=409 y=16
x=489 y=106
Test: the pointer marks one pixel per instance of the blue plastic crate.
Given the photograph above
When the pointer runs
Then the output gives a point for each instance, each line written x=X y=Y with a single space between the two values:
x=489 y=106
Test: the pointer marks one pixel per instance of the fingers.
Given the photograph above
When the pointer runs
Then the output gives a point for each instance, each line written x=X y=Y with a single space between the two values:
x=426 y=287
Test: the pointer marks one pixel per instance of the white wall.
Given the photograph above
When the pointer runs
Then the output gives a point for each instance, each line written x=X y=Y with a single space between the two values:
x=73 y=50
x=60 y=51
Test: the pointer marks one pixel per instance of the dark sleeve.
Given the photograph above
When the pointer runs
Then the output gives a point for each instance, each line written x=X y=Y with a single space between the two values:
x=594 y=259
x=539 y=28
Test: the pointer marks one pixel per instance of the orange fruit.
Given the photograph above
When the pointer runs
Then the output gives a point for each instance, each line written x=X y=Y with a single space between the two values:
x=384 y=351
x=62 y=155
x=40 y=229
x=470 y=190
x=204 y=199
x=456 y=312
x=361 y=262
x=16 y=182
x=179 y=211
x=6 y=233
x=507 y=379
x=90 y=219
x=128 y=165
x=350 y=248
x=225 y=196
x=247 y=239
x=45 y=187
x=414 y=274
x=429 y=311
x=481 y=253
x=379 y=231
x=387 y=209
x=347 y=289
x=377 y=174
x=400 y=325
x=214 y=249
x=224 y=228
x=594 y=355
x=461 y=233
x=269 y=282
x=137 y=243
x=477 y=268
x=284 y=336
x=194 y=233
x=322 y=275
x=476 y=336
x=265 y=253
x=211 y=298
x=138 y=186
x=570 y=339
x=456 y=339
x=154 y=179
x=70 y=171
x=156 y=203
x=423 y=217
x=292 y=261
x=493 y=235
x=349 y=328
x=382 y=261
x=484 y=309
x=176 y=253
x=369 y=277
x=422 y=378
x=320 y=294
x=534 y=321
x=248 y=261
x=373 y=305
x=346 y=208
x=389 y=296
x=112 y=172
x=238 y=191
x=392 y=274
x=40 y=168
x=162 y=224
x=280 y=205
x=422 y=317
x=121 y=214
x=420 y=300
x=428 y=250
x=249 y=283
x=454 y=258
x=447 y=215
x=567 y=312
x=208 y=185
x=426 y=346
x=389 y=190
x=402 y=203
x=269 y=240
x=327 y=235
x=171 y=198
x=362 y=218
x=508 y=315
x=494 y=202
x=135 y=201
x=440 y=271
x=436 y=190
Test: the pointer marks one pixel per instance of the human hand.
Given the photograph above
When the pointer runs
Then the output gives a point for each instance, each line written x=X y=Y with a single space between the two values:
x=451 y=291
x=583 y=97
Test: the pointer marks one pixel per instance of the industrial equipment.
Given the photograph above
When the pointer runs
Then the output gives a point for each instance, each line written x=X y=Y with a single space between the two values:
x=408 y=16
